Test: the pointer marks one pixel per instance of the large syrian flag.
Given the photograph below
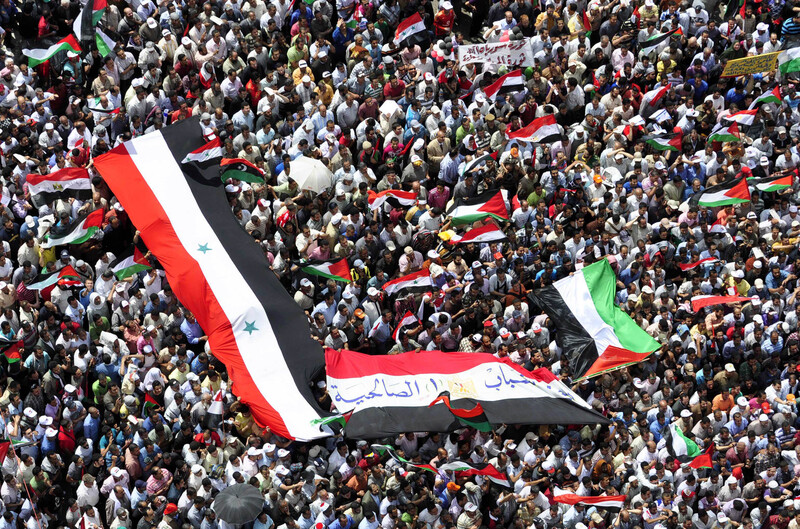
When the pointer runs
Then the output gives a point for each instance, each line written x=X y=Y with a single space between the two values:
x=595 y=335
x=656 y=40
x=393 y=394
x=678 y=445
x=37 y=56
x=220 y=274
x=540 y=130
x=415 y=280
x=510 y=82
x=602 y=502
x=745 y=117
x=404 y=198
x=66 y=277
x=772 y=183
x=725 y=194
x=725 y=134
x=487 y=204
x=409 y=27
x=488 y=233
x=130 y=263
x=79 y=230
x=70 y=182
x=240 y=169
x=336 y=270
x=773 y=96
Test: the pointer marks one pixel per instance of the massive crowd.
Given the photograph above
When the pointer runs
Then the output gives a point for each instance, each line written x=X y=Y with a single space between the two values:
x=280 y=80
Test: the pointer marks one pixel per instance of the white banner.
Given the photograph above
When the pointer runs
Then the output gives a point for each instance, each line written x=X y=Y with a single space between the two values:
x=513 y=53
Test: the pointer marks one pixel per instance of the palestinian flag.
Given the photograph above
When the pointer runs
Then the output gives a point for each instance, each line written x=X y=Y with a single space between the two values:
x=773 y=96
x=339 y=420
x=149 y=402
x=407 y=320
x=11 y=349
x=130 y=263
x=701 y=302
x=421 y=279
x=37 y=56
x=772 y=183
x=789 y=61
x=464 y=469
x=105 y=44
x=595 y=334
x=95 y=105
x=587 y=24
x=478 y=162
x=392 y=394
x=745 y=117
x=487 y=204
x=5 y=446
x=695 y=264
x=489 y=233
x=656 y=40
x=704 y=459
x=473 y=417
x=84 y=25
x=413 y=25
x=652 y=97
x=725 y=134
x=336 y=270
x=207 y=153
x=672 y=143
x=70 y=182
x=678 y=445
x=66 y=277
x=510 y=82
x=217 y=271
x=600 y=502
x=404 y=198
x=732 y=192
x=240 y=169
x=79 y=230
x=540 y=130
x=215 y=412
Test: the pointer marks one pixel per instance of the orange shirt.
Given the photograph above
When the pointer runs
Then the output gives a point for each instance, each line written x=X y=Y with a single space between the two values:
x=720 y=403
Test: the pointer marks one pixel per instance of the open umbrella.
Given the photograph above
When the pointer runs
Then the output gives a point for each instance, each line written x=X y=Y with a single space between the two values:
x=310 y=174
x=239 y=504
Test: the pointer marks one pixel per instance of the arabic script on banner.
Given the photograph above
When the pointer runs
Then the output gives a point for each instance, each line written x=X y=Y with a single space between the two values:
x=514 y=53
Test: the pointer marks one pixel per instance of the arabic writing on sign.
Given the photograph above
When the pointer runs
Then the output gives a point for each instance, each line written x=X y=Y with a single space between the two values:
x=514 y=53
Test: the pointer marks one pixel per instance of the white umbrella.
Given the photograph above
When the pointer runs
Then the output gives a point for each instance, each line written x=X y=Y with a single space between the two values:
x=310 y=174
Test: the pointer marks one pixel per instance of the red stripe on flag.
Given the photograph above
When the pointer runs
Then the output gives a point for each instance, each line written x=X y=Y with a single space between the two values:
x=458 y=412
x=68 y=173
x=613 y=358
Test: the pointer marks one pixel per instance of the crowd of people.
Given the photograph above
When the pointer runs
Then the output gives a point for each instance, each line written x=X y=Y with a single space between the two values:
x=105 y=407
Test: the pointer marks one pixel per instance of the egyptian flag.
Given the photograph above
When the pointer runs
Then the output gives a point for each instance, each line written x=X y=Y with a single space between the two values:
x=220 y=274
x=701 y=302
x=773 y=96
x=487 y=204
x=404 y=198
x=488 y=233
x=695 y=264
x=722 y=133
x=473 y=417
x=66 y=277
x=409 y=27
x=70 y=182
x=601 y=502
x=393 y=394
x=666 y=143
x=336 y=270
x=215 y=412
x=407 y=320
x=478 y=162
x=540 y=130
x=464 y=469
x=745 y=117
x=94 y=105
x=678 y=445
x=90 y=16
x=79 y=230
x=130 y=263
x=240 y=169
x=594 y=333
x=207 y=153
x=37 y=56
x=510 y=82
x=772 y=183
x=656 y=40
x=725 y=194
x=415 y=280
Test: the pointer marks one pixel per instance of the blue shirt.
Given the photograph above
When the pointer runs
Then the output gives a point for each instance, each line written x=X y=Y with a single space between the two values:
x=193 y=331
x=91 y=428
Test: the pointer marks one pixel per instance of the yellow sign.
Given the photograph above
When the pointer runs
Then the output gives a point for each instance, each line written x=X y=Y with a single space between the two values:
x=748 y=65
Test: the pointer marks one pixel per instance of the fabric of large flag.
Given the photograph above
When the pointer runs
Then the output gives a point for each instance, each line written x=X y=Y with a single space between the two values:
x=666 y=144
x=84 y=25
x=789 y=60
x=772 y=183
x=404 y=198
x=393 y=394
x=723 y=133
x=488 y=233
x=487 y=204
x=37 y=56
x=66 y=277
x=595 y=335
x=131 y=262
x=602 y=502
x=240 y=169
x=336 y=270
x=745 y=117
x=420 y=279
x=95 y=105
x=105 y=44
x=701 y=302
x=78 y=231
x=70 y=182
x=220 y=274
x=727 y=193
x=540 y=130
x=773 y=96
x=695 y=264
x=413 y=25
x=656 y=40
x=678 y=445
x=510 y=82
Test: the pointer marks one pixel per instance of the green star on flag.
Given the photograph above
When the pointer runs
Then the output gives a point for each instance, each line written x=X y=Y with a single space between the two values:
x=250 y=327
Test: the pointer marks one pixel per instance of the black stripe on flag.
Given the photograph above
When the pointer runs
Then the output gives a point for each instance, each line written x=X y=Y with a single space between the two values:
x=576 y=344
x=304 y=357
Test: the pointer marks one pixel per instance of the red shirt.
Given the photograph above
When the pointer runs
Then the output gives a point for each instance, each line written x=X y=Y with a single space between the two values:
x=391 y=92
x=443 y=22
